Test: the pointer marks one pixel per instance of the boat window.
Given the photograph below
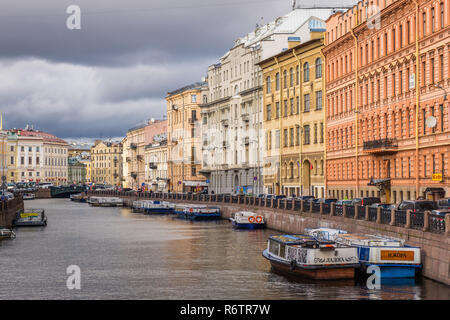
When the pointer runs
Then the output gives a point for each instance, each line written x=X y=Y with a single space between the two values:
x=274 y=247
x=282 y=250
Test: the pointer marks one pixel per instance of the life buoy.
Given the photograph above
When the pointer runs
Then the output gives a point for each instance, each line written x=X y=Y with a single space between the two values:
x=251 y=219
x=259 y=219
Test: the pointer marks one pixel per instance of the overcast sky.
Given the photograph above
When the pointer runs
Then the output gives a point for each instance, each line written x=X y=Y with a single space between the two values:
x=115 y=72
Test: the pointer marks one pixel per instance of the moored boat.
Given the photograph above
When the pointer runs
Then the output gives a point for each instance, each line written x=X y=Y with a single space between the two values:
x=305 y=256
x=392 y=256
x=6 y=234
x=197 y=212
x=29 y=196
x=30 y=218
x=248 y=220
x=78 y=197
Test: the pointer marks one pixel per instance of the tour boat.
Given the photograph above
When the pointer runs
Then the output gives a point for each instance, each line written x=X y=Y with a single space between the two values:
x=30 y=218
x=105 y=202
x=78 y=197
x=197 y=212
x=248 y=220
x=395 y=259
x=6 y=234
x=29 y=196
x=327 y=234
x=305 y=256
x=157 y=207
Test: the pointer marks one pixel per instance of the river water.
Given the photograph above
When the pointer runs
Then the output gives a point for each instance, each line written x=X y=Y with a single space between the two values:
x=125 y=255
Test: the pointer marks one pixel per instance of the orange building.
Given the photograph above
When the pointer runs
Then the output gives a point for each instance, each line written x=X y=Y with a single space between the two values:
x=373 y=127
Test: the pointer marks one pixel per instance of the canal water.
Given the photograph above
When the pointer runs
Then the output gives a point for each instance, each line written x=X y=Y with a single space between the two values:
x=125 y=255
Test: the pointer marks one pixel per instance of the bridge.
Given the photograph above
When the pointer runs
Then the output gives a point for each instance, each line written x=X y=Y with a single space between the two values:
x=65 y=192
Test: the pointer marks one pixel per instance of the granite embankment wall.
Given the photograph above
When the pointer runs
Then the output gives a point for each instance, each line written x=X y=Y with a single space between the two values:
x=435 y=246
x=8 y=211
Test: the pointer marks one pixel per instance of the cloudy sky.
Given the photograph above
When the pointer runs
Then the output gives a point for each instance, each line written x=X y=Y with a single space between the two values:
x=114 y=72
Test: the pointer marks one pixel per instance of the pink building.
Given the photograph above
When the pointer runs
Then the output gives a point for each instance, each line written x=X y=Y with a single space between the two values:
x=154 y=128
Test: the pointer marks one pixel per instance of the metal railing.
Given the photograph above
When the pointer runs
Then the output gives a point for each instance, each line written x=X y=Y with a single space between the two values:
x=434 y=223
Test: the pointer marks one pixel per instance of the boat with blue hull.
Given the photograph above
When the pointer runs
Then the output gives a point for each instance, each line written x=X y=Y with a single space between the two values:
x=392 y=256
x=305 y=256
x=197 y=212
x=248 y=220
x=153 y=207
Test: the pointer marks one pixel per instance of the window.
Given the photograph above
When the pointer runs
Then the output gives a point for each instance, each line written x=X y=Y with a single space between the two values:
x=315 y=133
x=12 y=160
x=292 y=106
x=442 y=14
x=433 y=20
x=193 y=98
x=277 y=115
x=306 y=103
x=321 y=132
x=424 y=19
x=277 y=81
x=193 y=171
x=306 y=135
x=268 y=112
x=22 y=161
x=306 y=72
x=291 y=77
x=268 y=85
x=432 y=70
x=318 y=100
x=318 y=68
x=285 y=108
x=291 y=137
x=285 y=79
x=441 y=109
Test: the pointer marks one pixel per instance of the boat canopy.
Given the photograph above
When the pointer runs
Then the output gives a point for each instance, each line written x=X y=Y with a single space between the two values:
x=368 y=240
x=300 y=239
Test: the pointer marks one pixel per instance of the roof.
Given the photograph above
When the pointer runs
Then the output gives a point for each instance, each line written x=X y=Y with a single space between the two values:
x=47 y=137
x=196 y=85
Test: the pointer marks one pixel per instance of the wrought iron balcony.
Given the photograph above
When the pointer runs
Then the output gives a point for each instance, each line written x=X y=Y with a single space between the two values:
x=128 y=159
x=225 y=122
x=246 y=117
x=381 y=146
x=133 y=146
x=134 y=175
x=246 y=141
x=140 y=157
x=152 y=165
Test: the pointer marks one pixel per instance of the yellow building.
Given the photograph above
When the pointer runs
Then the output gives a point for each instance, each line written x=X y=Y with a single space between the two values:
x=133 y=158
x=88 y=165
x=106 y=164
x=184 y=140
x=294 y=119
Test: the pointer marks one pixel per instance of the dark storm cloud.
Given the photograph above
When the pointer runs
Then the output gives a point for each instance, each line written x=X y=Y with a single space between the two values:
x=117 y=69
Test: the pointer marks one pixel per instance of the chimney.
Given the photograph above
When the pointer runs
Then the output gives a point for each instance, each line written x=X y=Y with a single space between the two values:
x=293 y=41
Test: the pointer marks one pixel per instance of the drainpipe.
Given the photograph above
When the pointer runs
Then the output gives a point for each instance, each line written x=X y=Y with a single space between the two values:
x=417 y=99
x=280 y=121
x=356 y=105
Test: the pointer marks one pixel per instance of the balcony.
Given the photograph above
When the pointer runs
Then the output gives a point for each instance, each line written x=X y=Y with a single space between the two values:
x=225 y=122
x=128 y=159
x=140 y=157
x=152 y=165
x=245 y=117
x=246 y=141
x=134 y=175
x=381 y=146
x=133 y=146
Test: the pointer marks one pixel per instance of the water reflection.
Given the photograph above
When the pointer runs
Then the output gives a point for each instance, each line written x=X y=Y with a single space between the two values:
x=126 y=255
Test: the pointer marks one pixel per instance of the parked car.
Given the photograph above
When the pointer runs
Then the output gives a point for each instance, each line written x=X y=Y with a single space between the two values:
x=418 y=205
x=383 y=205
x=441 y=212
x=342 y=202
x=325 y=200
x=366 y=201
x=305 y=198
x=444 y=203
x=8 y=195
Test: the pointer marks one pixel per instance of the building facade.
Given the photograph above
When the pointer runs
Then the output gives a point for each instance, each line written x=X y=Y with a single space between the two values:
x=294 y=119
x=232 y=117
x=106 y=164
x=183 y=138
x=4 y=153
x=387 y=108
x=36 y=156
x=156 y=173
x=76 y=171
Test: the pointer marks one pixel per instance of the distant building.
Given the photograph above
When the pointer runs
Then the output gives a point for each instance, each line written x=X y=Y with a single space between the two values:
x=76 y=171
x=36 y=156
x=156 y=174
x=3 y=155
x=106 y=164
x=184 y=142
x=134 y=151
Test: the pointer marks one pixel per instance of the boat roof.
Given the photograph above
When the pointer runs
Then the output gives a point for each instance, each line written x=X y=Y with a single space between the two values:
x=368 y=240
x=292 y=239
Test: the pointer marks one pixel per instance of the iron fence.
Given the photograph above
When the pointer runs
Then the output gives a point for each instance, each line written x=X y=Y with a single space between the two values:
x=385 y=216
x=417 y=220
x=373 y=212
x=436 y=223
x=338 y=210
x=316 y=207
x=361 y=212
x=306 y=206
x=400 y=218
x=326 y=208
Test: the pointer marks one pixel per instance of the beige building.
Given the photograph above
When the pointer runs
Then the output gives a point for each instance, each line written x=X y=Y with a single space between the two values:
x=106 y=164
x=156 y=174
x=294 y=119
x=133 y=158
x=36 y=156
x=3 y=155
x=184 y=141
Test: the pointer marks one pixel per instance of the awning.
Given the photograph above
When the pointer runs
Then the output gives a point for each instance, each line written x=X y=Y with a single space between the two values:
x=195 y=183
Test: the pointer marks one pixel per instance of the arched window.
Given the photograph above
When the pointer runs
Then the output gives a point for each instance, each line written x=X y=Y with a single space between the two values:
x=285 y=79
x=298 y=75
x=318 y=68
x=306 y=72
x=277 y=81
x=291 y=168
